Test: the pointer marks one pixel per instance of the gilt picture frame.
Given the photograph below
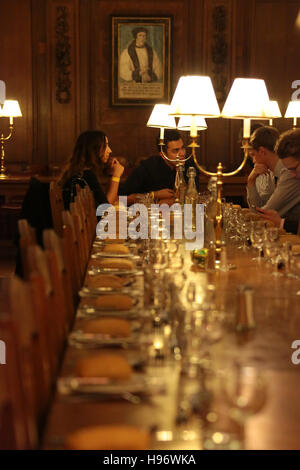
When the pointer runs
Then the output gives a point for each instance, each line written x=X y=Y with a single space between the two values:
x=141 y=60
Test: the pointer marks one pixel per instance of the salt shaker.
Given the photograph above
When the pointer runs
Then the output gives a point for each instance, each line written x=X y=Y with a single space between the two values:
x=245 y=314
x=210 y=260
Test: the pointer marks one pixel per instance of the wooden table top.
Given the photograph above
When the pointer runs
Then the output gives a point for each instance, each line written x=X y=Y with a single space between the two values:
x=267 y=347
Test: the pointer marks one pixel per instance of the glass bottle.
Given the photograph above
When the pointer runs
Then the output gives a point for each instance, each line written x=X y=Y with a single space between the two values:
x=180 y=185
x=210 y=212
x=191 y=195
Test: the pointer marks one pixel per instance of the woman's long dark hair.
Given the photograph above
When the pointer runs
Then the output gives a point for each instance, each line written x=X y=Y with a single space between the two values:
x=86 y=155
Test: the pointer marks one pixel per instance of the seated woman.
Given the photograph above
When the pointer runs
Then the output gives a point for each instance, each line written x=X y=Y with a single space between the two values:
x=85 y=167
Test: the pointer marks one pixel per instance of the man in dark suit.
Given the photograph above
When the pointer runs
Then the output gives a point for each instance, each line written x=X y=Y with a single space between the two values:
x=156 y=174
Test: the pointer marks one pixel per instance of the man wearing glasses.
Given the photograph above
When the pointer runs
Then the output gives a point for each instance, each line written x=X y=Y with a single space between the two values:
x=288 y=151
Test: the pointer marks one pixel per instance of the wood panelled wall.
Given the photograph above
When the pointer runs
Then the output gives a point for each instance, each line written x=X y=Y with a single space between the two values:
x=56 y=60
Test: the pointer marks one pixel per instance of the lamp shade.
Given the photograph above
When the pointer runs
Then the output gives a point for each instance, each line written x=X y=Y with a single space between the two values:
x=194 y=95
x=11 y=108
x=273 y=108
x=248 y=98
x=293 y=109
x=185 y=123
x=160 y=117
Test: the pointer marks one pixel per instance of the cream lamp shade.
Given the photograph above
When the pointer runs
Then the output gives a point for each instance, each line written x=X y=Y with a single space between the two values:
x=194 y=95
x=293 y=109
x=11 y=108
x=273 y=109
x=185 y=123
x=248 y=99
x=160 y=117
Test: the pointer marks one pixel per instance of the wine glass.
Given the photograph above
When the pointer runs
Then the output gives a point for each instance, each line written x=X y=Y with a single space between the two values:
x=272 y=234
x=257 y=235
x=245 y=391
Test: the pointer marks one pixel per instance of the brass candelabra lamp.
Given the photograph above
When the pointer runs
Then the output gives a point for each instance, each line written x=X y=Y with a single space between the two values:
x=194 y=97
x=10 y=109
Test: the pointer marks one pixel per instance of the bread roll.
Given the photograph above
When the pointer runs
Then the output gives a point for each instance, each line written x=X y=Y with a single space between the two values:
x=114 y=263
x=109 y=437
x=115 y=327
x=106 y=280
x=116 y=248
x=113 y=302
x=296 y=249
x=104 y=364
x=294 y=239
x=114 y=240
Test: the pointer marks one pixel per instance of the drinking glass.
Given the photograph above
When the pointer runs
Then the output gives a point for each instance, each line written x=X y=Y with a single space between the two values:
x=257 y=235
x=245 y=390
x=272 y=234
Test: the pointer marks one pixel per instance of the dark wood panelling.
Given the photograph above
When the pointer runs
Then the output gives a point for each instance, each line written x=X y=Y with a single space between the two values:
x=40 y=77
x=275 y=50
x=16 y=71
x=126 y=126
x=260 y=40
x=64 y=113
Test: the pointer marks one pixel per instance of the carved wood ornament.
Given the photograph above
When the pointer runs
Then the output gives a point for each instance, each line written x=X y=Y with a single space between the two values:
x=62 y=55
x=219 y=51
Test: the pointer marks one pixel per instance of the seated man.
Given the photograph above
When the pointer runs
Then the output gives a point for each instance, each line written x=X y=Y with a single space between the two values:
x=288 y=150
x=157 y=174
x=285 y=198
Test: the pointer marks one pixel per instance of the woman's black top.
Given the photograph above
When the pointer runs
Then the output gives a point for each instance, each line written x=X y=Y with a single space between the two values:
x=87 y=178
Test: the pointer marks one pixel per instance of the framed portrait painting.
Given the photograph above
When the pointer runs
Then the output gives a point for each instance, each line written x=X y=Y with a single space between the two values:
x=141 y=60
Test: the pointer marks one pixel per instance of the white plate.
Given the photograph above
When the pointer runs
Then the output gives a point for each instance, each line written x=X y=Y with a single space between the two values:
x=104 y=386
x=92 y=340
x=119 y=272
x=101 y=254
x=99 y=291
x=90 y=312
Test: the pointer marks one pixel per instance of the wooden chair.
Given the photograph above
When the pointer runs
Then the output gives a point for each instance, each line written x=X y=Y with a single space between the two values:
x=49 y=319
x=27 y=238
x=80 y=236
x=18 y=430
x=71 y=251
x=33 y=373
x=57 y=206
x=63 y=284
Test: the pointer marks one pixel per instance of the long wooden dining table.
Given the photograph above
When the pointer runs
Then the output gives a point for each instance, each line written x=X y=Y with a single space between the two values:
x=267 y=346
